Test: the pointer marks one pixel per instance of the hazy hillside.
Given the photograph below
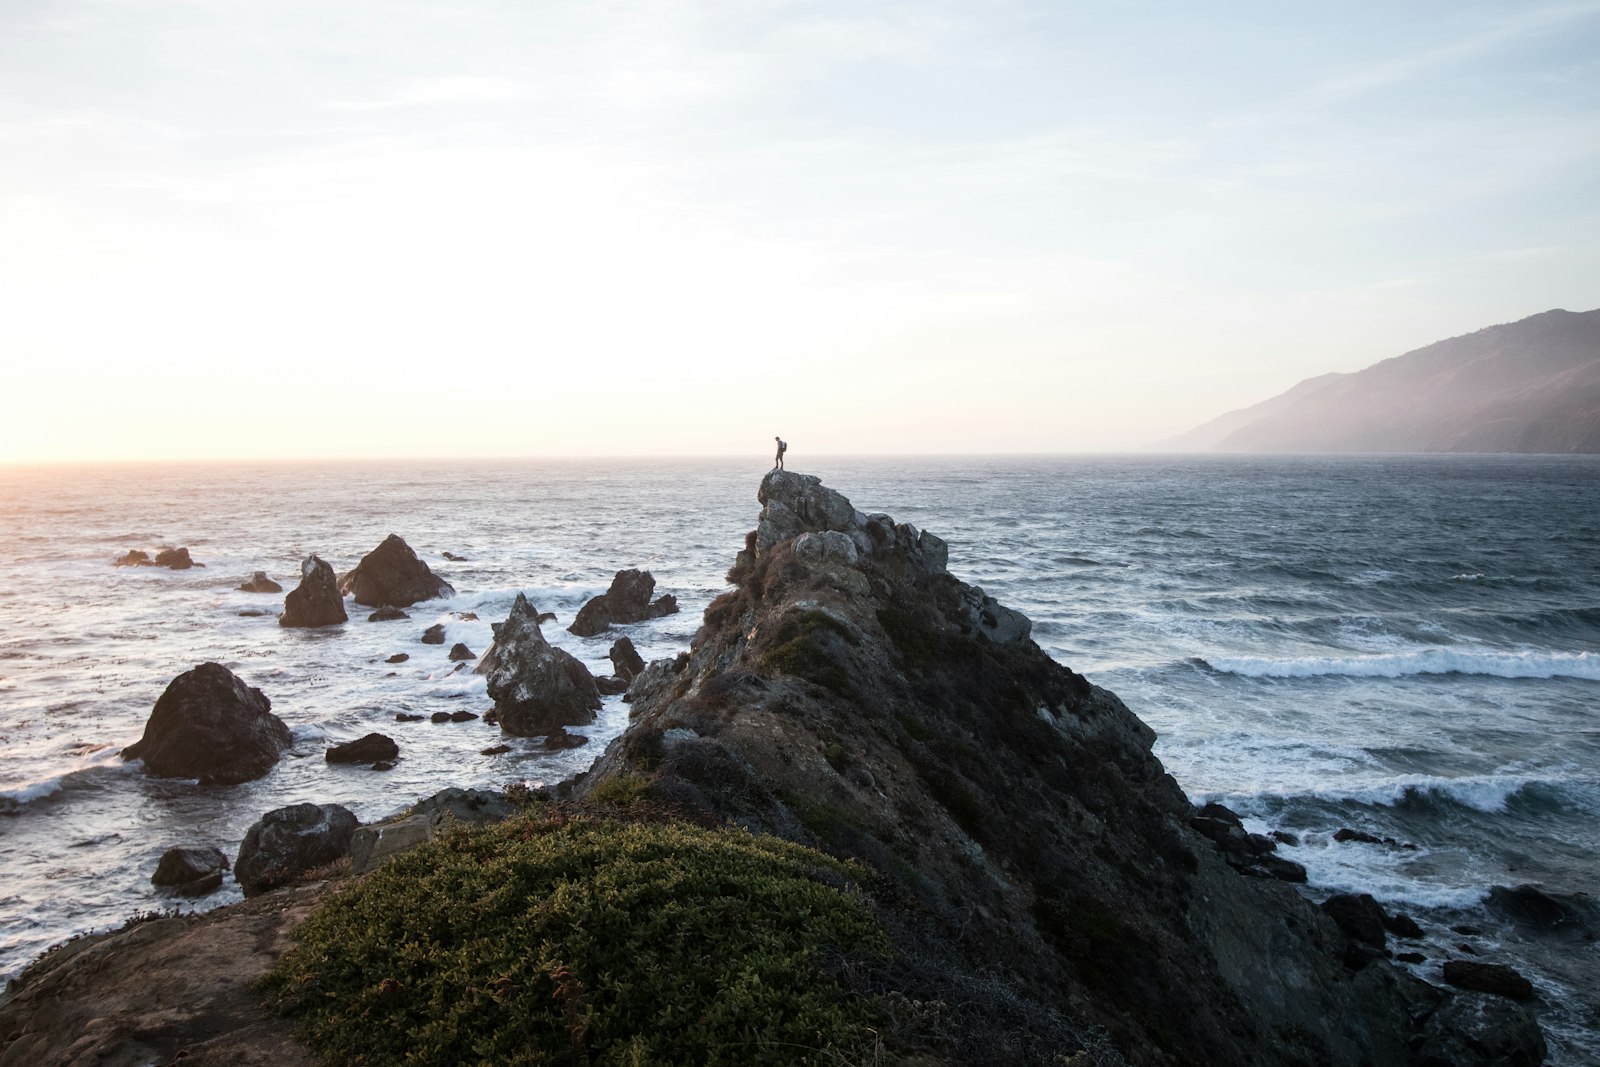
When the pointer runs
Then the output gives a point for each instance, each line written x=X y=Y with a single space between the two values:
x=1528 y=386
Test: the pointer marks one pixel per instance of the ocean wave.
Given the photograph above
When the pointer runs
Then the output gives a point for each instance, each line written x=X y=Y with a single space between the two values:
x=1584 y=665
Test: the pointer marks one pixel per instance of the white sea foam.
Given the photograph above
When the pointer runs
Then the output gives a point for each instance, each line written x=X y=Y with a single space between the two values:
x=1585 y=665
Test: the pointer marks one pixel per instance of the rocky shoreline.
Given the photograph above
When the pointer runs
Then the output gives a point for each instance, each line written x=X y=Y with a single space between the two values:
x=1040 y=875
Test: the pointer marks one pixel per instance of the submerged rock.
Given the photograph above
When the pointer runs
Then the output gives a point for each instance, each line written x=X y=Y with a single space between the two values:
x=628 y=600
x=287 y=842
x=391 y=574
x=134 y=557
x=434 y=635
x=210 y=725
x=1031 y=857
x=316 y=601
x=387 y=614
x=535 y=686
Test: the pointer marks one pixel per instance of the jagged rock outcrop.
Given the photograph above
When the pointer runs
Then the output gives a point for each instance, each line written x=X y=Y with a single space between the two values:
x=287 y=842
x=208 y=724
x=1034 y=863
x=190 y=872
x=535 y=686
x=627 y=600
x=316 y=601
x=260 y=583
x=392 y=575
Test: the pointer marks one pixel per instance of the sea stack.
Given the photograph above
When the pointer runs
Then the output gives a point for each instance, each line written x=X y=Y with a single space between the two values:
x=392 y=575
x=1031 y=857
x=536 y=687
x=210 y=725
x=316 y=601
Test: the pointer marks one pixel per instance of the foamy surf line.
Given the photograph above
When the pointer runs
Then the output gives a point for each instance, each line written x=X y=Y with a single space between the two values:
x=1583 y=665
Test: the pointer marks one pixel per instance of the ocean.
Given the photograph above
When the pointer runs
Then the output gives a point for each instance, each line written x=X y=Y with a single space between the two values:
x=1406 y=646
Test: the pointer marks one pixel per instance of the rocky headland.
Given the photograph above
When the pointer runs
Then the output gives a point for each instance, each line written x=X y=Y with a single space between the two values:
x=1041 y=891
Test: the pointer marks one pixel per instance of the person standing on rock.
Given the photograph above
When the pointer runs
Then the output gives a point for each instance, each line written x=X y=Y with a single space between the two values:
x=783 y=446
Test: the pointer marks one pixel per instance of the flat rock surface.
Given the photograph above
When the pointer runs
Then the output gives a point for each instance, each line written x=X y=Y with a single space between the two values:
x=169 y=990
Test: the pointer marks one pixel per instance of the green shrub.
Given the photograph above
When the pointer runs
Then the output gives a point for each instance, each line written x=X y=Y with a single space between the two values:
x=590 y=942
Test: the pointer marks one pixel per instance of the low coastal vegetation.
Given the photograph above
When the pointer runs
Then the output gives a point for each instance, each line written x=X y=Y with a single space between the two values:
x=574 y=940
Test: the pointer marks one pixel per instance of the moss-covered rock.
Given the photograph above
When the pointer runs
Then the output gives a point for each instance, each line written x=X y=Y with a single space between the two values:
x=586 y=941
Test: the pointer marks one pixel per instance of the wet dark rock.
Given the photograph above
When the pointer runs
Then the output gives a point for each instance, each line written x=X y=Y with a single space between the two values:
x=626 y=662
x=406 y=716
x=398 y=657
x=1402 y=925
x=1359 y=916
x=392 y=574
x=260 y=583
x=559 y=738
x=1221 y=812
x=1346 y=834
x=535 y=686
x=384 y=765
x=316 y=601
x=210 y=725
x=1495 y=978
x=190 y=872
x=1537 y=910
x=495 y=750
x=1277 y=867
x=1411 y=957
x=466 y=616
x=434 y=635
x=387 y=614
x=134 y=557
x=1284 y=837
x=288 y=842
x=252 y=613
x=627 y=600
x=440 y=716
x=453 y=558
x=1478 y=1029
x=369 y=749
x=460 y=653
x=176 y=559
x=462 y=716
x=610 y=685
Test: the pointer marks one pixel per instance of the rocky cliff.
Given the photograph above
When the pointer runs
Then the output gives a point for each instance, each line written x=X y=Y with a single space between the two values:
x=1034 y=862
x=1527 y=386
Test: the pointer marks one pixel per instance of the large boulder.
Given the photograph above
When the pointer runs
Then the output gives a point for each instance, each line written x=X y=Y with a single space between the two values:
x=190 y=872
x=628 y=600
x=287 y=842
x=535 y=686
x=209 y=725
x=316 y=601
x=392 y=574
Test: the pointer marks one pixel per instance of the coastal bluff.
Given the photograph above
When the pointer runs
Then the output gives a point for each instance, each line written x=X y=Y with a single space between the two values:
x=1044 y=895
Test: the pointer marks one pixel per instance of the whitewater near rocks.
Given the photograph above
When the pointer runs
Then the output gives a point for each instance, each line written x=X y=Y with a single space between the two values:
x=1267 y=617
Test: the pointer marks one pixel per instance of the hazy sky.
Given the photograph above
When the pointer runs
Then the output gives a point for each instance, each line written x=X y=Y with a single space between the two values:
x=344 y=228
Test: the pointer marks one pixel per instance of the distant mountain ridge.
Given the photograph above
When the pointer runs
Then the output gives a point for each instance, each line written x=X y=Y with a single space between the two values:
x=1526 y=386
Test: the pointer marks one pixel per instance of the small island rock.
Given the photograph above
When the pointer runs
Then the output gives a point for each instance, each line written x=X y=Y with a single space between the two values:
x=460 y=653
x=434 y=635
x=260 y=583
x=628 y=600
x=369 y=749
x=209 y=725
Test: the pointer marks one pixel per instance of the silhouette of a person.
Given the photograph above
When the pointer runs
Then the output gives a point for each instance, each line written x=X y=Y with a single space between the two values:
x=783 y=446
